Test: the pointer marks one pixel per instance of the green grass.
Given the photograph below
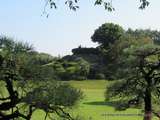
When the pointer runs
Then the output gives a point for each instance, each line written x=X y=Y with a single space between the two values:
x=93 y=105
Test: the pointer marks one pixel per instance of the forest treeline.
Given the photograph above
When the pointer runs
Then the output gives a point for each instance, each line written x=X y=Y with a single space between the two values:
x=102 y=61
x=99 y=62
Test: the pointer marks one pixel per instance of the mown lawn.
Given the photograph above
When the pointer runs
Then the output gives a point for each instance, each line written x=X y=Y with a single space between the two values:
x=93 y=106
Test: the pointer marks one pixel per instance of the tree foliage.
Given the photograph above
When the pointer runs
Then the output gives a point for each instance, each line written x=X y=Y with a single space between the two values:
x=152 y=34
x=139 y=77
x=29 y=86
x=72 y=4
x=71 y=69
x=107 y=34
x=112 y=39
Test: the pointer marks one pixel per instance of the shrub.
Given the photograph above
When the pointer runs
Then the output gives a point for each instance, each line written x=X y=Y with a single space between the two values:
x=100 y=76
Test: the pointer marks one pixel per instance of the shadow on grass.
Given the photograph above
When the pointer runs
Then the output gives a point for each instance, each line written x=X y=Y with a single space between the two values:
x=104 y=103
x=116 y=104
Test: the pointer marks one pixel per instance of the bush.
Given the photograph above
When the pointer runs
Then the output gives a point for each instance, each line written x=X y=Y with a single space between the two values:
x=100 y=76
x=77 y=69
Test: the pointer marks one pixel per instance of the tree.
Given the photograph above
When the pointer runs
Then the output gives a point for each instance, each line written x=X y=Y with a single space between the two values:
x=69 y=68
x=106 y=3
x=114 y=53
x=107 y=34
x=153 y=34
x=140 y=78
x=28 y=91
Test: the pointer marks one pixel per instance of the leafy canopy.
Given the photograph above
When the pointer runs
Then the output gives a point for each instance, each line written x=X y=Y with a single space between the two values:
x=107 y=34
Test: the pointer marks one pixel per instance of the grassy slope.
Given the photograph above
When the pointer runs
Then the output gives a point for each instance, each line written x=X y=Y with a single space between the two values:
x=93 y=105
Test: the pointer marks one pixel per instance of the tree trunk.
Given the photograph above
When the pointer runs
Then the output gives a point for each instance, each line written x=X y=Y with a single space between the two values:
x=148 y=105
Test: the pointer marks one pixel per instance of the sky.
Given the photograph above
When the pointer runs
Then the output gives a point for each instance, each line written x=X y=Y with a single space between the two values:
x=64 y=29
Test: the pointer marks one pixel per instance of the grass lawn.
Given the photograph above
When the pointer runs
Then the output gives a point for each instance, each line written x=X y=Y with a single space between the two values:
x=93 y=106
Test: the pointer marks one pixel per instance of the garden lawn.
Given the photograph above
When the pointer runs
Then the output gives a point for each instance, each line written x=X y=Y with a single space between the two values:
x=93 y=106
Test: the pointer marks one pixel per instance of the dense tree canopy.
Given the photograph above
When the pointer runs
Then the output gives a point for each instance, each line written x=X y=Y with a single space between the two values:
x=153 y=34
x=113 y=54
x=112 y=39
x=107 y=34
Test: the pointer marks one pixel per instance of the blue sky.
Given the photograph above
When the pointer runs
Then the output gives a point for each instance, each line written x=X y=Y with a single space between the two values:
x=65 y=29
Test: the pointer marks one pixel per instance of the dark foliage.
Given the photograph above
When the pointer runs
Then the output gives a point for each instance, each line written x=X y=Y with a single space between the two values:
x=107 y=34
x=81 y=50
x=30 y=85
x=140 y=78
